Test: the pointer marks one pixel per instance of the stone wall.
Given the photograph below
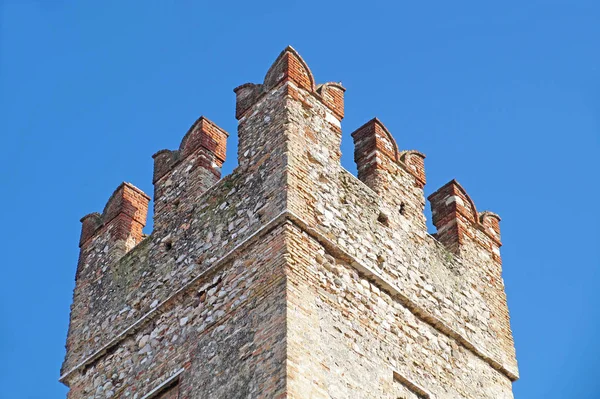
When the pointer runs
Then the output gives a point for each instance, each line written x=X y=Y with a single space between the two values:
x=350 y=337
x=194 y=226
x=381 y=224
x=226 y=329
x=290 y=277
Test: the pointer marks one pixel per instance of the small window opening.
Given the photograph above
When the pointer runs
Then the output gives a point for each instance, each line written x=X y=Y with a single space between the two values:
x=169 y=389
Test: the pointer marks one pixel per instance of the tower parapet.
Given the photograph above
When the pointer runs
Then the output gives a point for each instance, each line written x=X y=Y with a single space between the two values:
x=182 y=175
x=105 y=239
x=397 y=176
x=290 y=277
x=122 y=220
x=457 y=220
x=290 y=80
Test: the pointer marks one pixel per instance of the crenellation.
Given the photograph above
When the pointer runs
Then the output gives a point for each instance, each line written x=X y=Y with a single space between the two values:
x=453 y=212
x=444 y=285
x=164 y=160
x=397 y=176
x=205 y=134
x=290 y=277
x=289 y=66
x=246 y=96
x=90 y=223
x=491 y=222
x=124 y=215
x=105 y=239
x=332 y=94
x=457 y=220
x=373 y=145
x=475 y=238
x=182 y=175
x=414 y=162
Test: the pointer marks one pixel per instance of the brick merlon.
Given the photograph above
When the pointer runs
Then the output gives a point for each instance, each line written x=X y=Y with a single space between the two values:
x=454 y=212
x=290 y=67
x=202 y=134
x=127 y=202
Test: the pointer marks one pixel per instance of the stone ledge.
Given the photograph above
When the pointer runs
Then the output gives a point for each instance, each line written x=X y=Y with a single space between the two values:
x=380 y=281
x=164 y=384
x=395 y=292
x=416 y=389
x=159 y=309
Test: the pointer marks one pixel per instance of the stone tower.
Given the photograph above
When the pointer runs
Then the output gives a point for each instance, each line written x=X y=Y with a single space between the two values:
x=289 y=278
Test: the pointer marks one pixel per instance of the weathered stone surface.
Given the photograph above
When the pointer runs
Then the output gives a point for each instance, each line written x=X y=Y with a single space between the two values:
x=290 y=277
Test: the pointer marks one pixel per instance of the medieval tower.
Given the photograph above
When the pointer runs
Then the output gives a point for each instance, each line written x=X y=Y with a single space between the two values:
x=291 y=277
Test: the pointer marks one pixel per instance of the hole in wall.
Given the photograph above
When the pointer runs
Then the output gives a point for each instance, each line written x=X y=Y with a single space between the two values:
x=168 y=245
x=402 y=209
x=380 y=261
x=383 y=219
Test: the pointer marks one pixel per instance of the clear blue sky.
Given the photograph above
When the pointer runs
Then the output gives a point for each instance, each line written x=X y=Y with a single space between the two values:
x=503 y=97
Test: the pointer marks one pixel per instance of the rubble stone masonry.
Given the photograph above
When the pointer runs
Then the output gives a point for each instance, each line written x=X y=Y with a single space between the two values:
x=289 y=278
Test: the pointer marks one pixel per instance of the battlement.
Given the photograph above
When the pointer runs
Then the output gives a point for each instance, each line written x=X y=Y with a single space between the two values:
x=289 y=66
x=248 y=281
x=124 y=216
x=180 y=176
x=372 y=141
x=203 y=134
x=456 y=219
